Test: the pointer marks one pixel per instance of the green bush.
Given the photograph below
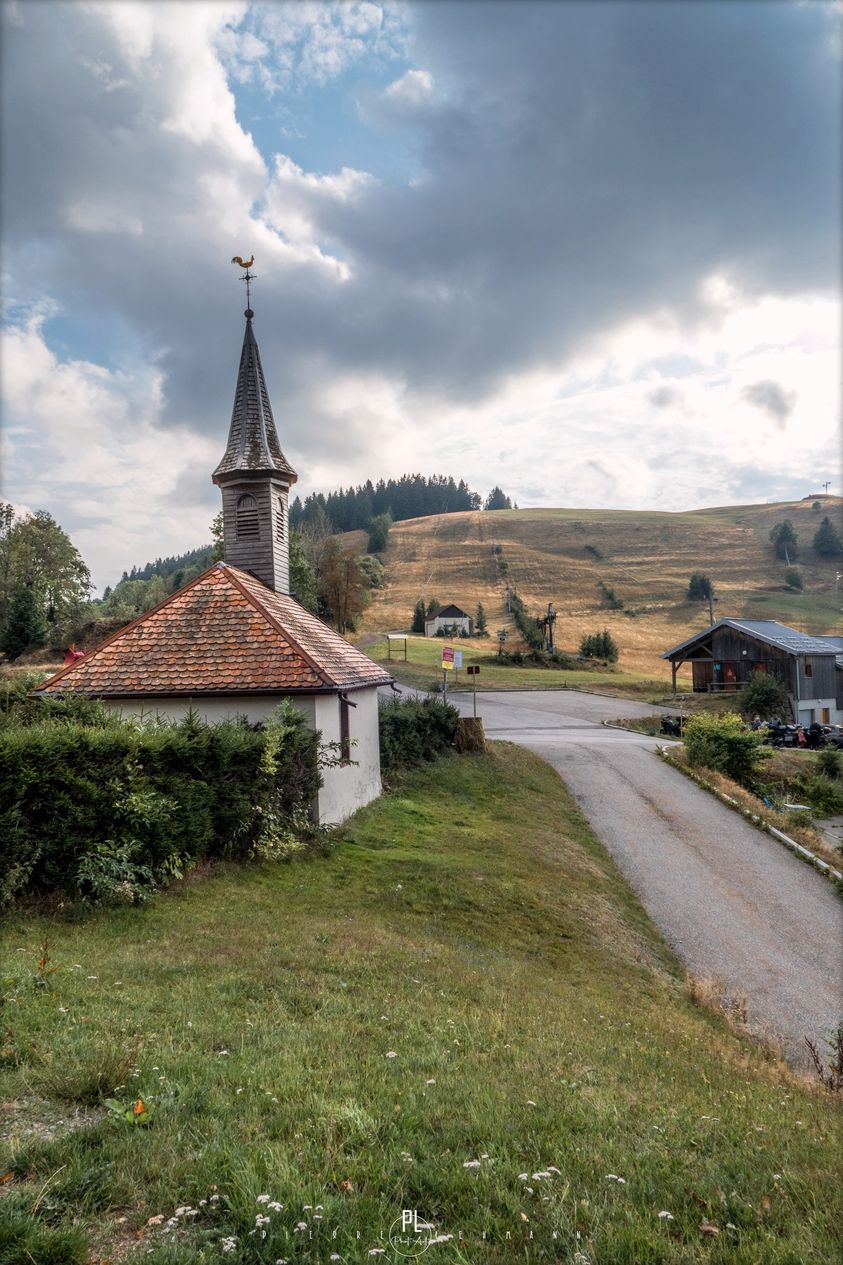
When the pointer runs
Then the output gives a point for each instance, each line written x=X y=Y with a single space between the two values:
x=530 y=628
x=822 y=793
x=724 y=744
x=793 y=579
x=414 y=730
x=112 y=810
x=600 y=645
x=764 y=696
x=830 y=762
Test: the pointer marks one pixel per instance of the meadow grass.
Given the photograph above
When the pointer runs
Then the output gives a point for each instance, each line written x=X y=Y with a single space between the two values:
x=462 y=1010
x=422 y=669
x=570 y=556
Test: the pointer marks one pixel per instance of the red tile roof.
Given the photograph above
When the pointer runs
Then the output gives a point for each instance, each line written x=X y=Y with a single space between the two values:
x=225 y=632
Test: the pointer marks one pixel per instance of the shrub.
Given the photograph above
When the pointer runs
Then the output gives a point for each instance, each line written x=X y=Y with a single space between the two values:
x=414 y=730
x=724 y=744
x=613 y=601
x=594 y=551
x=793 y=579
x=600 y=645
x=700 y=588
x=419 y=613
x=764 y=696
x=530 y=628
x=110 y=811
x=824 y=794
x=830 y=762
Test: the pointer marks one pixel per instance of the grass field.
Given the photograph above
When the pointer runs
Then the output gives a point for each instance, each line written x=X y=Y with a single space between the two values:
x=461 y=1010
x=645 y=557
x=422 y=669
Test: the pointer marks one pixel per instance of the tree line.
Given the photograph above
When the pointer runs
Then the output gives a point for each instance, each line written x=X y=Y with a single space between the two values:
x=411 y=496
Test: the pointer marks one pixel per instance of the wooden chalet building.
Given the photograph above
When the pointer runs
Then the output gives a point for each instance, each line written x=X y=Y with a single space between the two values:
x=723 y=656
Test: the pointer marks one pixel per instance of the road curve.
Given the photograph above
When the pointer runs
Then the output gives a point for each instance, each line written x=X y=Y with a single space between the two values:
x=733 y=903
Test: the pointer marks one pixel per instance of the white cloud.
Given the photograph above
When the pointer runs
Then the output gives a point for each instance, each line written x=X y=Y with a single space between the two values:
x=415 y=88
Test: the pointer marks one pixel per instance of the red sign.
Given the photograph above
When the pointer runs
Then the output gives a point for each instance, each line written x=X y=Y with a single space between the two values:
x=447 y=654
x=473 y=671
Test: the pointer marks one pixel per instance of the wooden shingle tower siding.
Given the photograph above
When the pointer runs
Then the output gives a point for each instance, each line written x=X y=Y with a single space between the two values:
x=255 y=478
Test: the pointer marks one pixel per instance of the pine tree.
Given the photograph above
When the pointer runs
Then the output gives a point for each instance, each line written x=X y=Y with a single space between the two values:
x=827 y=542
x=417 y=625
x=498 y=500
x=784 y=541
x=480 y=629
x=25 y=627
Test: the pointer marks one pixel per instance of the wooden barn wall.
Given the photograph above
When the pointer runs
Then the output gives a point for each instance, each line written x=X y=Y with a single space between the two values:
x=822 y=683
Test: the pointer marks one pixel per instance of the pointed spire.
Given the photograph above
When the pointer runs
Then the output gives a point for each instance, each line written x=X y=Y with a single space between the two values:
x=253 y=445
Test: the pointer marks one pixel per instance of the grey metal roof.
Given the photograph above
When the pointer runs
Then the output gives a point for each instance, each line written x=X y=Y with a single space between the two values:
x=772 y=633
x=253 y=444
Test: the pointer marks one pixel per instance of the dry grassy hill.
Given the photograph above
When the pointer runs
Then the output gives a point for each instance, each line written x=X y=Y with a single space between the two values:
x=646 y=558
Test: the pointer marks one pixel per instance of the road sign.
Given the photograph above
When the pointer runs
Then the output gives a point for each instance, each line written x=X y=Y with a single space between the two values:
x=457 y=658
x=473 y=670
x=447 y=658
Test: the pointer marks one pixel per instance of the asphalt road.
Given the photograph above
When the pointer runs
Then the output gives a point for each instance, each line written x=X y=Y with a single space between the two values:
x=734 y=904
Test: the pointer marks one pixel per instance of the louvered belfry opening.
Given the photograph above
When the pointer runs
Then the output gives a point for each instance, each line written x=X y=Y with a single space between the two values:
x=255 y=477
x=246 y=523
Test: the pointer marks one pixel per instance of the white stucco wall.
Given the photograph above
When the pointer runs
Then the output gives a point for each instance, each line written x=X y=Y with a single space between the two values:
x=433 y=626
x=255 y=707
x=346 y=787
x=811 y=709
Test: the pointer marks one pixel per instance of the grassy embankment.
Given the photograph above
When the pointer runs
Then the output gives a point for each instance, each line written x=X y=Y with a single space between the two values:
x=455 y=1012
x=646 y=558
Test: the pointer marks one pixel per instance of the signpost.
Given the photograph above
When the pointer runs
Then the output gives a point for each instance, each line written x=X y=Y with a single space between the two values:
x=473 y=671
x=447 y=666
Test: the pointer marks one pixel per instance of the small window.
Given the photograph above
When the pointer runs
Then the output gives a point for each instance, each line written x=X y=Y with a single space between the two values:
x=345 y=732
x=809 y=668
x=279 y=519
x=246 y=521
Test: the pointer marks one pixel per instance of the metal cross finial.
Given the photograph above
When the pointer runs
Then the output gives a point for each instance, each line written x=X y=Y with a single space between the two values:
x=248 y=277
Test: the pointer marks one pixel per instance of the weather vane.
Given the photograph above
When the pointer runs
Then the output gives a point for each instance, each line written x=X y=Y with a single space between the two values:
x=248 y=277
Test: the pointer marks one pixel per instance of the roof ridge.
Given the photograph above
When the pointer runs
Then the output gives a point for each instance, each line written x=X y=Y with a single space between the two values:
x=120 y=632
x=279 y=628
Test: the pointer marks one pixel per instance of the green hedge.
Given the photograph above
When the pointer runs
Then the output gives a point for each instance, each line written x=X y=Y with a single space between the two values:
x=414 y=730
x=110 y=810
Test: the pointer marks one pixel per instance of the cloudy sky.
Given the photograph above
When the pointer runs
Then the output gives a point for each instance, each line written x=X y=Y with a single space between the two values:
x=588 y=251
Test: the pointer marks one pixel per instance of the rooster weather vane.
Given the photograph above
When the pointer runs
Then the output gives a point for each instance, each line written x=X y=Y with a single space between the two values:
x=247 y=277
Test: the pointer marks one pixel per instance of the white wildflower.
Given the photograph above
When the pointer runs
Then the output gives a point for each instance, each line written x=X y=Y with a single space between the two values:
x=613 y=1177
x=666 y=1216
x=471 y=1164
x=261 y=1220
x=432 y=1081
x=276 y=1206
x=377 y=1251
x=229 y=1244
x=442 y=1238
x=301 y=1225
x=537 y=1177
x=522 y=1177
x=530 y=1102
x=390 y=1054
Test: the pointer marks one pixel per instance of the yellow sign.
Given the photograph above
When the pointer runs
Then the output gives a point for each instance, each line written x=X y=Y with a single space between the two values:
x=447 y=666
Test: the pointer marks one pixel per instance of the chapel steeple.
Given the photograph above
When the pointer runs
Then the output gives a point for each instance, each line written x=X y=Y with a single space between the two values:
x=254 y=475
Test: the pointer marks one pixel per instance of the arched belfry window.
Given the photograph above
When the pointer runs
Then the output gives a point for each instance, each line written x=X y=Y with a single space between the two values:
x=279 y=518
x=246 y=521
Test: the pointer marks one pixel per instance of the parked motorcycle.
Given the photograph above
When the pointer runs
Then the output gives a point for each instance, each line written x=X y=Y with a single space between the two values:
x=672 y=728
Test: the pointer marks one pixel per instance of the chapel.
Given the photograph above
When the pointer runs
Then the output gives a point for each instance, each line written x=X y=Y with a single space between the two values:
x=234 y=641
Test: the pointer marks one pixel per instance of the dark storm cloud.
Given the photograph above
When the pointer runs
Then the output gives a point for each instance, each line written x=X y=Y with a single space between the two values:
x=772 y=398
x=581 y=164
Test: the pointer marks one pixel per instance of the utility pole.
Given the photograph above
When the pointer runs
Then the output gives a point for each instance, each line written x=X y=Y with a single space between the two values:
x=826 y=486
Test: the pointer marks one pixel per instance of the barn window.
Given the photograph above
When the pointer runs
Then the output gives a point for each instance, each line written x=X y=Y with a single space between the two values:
x=247 y=517
x=279 y=519
x=809 y=668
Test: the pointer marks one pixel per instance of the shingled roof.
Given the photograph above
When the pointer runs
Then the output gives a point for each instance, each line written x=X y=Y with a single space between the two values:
x=252 y=438
x=224 y=633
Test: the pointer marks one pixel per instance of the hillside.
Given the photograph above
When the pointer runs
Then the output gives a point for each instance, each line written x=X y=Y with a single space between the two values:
x=645 y=557
x=461 y=1009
